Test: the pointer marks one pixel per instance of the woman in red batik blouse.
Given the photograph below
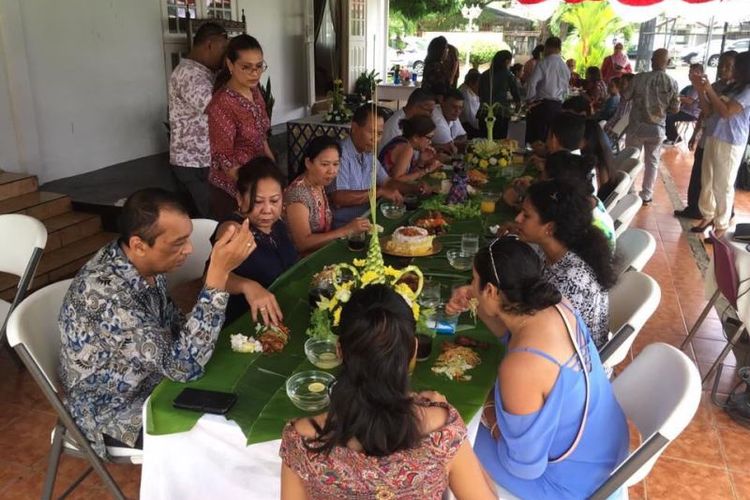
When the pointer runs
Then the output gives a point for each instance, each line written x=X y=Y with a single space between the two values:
x=238 y=123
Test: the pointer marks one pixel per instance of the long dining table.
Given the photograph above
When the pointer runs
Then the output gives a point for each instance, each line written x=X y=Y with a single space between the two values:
x=189 y=455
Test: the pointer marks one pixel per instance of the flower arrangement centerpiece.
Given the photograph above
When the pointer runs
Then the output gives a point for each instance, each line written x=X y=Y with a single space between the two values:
x=487 y=154
x=335 y=283
x=338 y=113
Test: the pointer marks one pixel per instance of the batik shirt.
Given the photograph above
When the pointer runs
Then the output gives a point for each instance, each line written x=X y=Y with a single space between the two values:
x=576 y=281
x=654 y=94
x=190 y=90
x=120 y=337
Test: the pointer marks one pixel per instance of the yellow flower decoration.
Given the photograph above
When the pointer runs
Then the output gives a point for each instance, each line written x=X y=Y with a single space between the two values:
x=389 y=271
x=405 y=291
x=484 y=164
x=343 y=291
x=359 y=262
x=369 y=277
x=415 y=310
x=336 y=317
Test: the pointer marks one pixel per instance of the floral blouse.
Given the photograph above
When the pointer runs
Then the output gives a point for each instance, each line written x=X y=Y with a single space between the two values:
x=314 y=199
x=120 y=337
x=415 y=474
x=237 y=130
x=576 y=281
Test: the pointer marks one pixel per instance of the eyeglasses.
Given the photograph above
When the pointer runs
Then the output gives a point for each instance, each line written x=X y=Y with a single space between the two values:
x=492 y=256
x=254 y=68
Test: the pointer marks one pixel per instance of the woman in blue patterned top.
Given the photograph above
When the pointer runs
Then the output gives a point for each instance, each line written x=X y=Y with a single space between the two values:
x=552 y=428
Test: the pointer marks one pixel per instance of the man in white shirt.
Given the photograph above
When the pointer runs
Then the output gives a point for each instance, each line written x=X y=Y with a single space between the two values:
x=450 y=136
x=545 y=90
x=470 y=91
x=420 y=102
x=190 y=91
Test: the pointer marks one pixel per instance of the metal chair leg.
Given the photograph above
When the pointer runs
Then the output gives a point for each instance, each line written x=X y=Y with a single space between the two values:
x=700 y=320
x=53 y=460
x=725 y=351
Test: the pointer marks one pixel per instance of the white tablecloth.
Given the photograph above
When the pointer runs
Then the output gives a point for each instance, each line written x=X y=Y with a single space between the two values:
x=742 y=265
x=212 y=460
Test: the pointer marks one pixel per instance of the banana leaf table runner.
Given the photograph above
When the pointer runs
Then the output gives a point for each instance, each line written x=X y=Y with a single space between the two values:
x=263 y=407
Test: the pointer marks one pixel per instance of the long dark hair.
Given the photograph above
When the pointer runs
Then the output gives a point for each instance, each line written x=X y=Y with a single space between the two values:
x=597 y=145
x=252 y=172
x=569 y=207
x=741 y=72
x=316 y=146
x=236 y=45
x=519 y=276
x=436 y=50
x=576 y=169
x=370 y=401
x=416 y=126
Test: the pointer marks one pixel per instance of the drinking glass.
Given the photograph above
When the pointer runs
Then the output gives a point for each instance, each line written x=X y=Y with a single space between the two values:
x=470 y=243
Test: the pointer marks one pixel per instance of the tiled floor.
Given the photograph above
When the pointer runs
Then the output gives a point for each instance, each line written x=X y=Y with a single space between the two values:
x=709 y=460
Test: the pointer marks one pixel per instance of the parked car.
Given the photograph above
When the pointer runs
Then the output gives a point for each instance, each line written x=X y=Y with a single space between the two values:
x=740 y=45
x=411 y=57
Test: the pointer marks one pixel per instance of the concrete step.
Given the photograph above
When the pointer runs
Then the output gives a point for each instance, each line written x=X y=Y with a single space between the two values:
x=12 y=185
x=39 y=204
x=70 y=227
x=58 y=264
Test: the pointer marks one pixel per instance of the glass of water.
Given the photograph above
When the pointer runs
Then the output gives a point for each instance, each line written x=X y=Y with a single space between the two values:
x=470 y=244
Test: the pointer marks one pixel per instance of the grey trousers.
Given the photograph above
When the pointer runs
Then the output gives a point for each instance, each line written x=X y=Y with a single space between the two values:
x=647 y=138
x=193 y=184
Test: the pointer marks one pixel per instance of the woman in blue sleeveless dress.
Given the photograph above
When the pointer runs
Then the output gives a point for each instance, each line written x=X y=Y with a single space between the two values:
x=552 y=427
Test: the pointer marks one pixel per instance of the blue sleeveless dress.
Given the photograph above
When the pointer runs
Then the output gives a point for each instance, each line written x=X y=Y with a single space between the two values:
x=520 y=460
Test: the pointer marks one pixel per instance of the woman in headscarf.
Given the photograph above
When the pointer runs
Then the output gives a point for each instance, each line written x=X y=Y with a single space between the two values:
x=616 y=64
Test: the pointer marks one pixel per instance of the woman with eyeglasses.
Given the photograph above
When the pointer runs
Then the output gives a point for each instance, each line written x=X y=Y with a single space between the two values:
x=556 y=218
x=551 y=427
x=411 y=156
x=238 y=121
x=378 y=439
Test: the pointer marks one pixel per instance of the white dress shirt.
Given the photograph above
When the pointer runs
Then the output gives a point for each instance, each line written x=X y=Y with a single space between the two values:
x=445 y=132
x=471 y=106
x=550 y=79
x=391 y=128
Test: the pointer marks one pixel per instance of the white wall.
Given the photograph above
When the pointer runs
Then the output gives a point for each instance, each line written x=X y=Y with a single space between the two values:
x=279 y=27
x=96 y=73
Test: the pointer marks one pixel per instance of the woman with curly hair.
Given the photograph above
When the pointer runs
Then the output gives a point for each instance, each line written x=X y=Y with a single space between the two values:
x=556 y=217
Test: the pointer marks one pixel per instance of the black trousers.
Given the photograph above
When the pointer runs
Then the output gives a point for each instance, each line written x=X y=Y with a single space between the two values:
x=193 y=186
x=538 y=118
x=671 y=124
x=694 y=188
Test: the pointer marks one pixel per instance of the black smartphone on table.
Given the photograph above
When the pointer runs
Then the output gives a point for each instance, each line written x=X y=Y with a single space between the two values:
x=205 y=401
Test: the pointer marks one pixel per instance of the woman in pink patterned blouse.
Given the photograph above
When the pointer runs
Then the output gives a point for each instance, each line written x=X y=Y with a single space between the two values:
x=237 y=121
x=379 y=440
x=306 y=208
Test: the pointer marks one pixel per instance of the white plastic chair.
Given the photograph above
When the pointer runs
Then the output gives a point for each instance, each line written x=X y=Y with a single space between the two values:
x=659 y=392
x=24 y=239
x=624 y=212
x=635 y=247
x=34 y=334
x=624 y=181
x=632 y=301
x=629 y=152
x=195 y=264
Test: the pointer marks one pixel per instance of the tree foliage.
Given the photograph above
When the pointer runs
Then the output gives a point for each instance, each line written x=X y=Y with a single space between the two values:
x=591 y=26
x=417 y=9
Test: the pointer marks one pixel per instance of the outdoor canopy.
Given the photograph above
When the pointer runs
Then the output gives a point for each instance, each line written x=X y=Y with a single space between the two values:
x=643 y=10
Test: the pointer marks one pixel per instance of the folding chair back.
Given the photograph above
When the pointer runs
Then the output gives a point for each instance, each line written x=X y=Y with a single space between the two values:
x=34 y=333
x=624 y=212
x=622 y=187
x=195 y=264
x=635 y=247
x=632 y=301
x=659 y=392
x=24 y=241
x=726 y=275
